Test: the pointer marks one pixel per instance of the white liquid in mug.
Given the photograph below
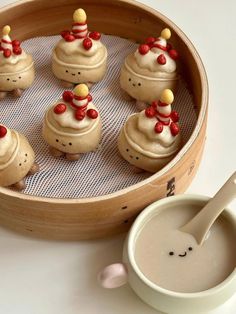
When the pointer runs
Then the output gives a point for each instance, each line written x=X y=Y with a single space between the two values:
x=173 y=260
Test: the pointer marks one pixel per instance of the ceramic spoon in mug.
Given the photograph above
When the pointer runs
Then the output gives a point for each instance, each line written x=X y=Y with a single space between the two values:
x=200 y=224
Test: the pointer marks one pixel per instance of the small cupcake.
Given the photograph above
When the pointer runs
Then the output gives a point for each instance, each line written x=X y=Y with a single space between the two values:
x=72 y=126
x=80 y=56
x=150 y=139
x=17 y=158
x=16 y=66
x=150 y=69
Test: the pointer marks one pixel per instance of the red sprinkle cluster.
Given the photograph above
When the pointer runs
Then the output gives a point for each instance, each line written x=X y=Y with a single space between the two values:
x=3 y=131
x=152 y=112
x=161 y=59
x=17 y=50
x=80 y=113
x=87 y=42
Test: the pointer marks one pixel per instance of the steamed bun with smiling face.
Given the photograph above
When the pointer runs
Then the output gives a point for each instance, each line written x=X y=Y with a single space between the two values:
x=151 y=138
x=17 y=158
x=80 y=56
x=16 y=66
x=72 y=126
x=150 y=69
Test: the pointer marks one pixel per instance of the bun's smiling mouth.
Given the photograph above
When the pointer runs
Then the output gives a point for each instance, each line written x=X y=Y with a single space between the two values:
x=183 y=255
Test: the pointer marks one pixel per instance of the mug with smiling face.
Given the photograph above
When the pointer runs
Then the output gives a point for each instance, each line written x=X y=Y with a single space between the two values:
x=167 y=269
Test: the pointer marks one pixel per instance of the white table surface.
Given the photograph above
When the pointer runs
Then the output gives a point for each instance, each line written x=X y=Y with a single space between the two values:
x=46 y=277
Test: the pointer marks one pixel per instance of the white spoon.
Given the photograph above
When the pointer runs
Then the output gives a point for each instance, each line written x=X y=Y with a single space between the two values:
x=199 y=226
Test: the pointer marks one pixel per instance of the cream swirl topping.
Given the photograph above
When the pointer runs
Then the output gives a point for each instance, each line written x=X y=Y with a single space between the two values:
x=68 y=120
x=13 y=59
x=149 y=61
x=147 y=125
x=76 y=47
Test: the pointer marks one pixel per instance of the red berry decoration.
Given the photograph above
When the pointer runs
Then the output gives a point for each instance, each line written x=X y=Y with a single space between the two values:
x=59 y=108
x=174 y=128
x=150 y=112
x=92 y=113
x=150 y=40
x=158 y=127
x=79 y=114
x=17 y=50
x=174 y=116
x=90 y=98
x=173 y=54
x=67 y=95
x=143 y=49
x=154 y=104
x=16 y=43
x=95 y=35
x=7 y=53
x=161 y=59
x=69 y=37
x=87 y=43
x=64 y=33
x=3 y=131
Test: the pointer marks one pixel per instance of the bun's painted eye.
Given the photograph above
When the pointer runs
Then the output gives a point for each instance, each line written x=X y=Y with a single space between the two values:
x=57 y=140
x=67 y=71
x=70 y=144
x=171 y=253
x=139 y=84
x=129 y=79
x=190 y=248
x=8 y=79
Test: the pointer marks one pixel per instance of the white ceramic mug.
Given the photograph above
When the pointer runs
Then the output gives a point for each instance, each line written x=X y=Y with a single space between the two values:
x=167 y=301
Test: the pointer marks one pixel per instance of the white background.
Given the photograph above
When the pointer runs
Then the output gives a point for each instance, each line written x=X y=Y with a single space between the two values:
x=44 y=277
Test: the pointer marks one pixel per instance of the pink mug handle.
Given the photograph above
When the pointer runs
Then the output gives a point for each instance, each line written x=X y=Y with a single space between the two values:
x=113 y=276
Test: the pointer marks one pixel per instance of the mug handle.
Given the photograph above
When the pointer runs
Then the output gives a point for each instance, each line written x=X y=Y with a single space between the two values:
x=113 y=276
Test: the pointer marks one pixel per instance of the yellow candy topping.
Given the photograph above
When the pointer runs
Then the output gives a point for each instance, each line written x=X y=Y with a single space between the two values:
x=6 y=30
x=166 y=33
x=167 y=96
x=79 y=16
x=81 y=90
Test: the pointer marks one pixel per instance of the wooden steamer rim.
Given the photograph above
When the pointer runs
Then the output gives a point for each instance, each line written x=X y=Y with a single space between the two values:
x=108 y=214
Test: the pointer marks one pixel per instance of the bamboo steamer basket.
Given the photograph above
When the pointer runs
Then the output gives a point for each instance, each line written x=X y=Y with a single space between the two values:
x=89 y=218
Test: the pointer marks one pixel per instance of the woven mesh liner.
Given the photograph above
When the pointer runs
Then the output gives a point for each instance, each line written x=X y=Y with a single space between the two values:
x=97 y=173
